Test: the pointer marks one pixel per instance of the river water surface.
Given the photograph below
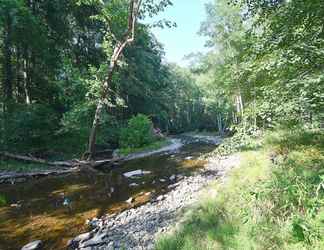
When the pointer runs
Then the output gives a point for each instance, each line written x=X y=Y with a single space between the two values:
x=35 y=209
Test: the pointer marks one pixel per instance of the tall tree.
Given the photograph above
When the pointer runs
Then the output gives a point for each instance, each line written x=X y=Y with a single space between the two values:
x=121 y=41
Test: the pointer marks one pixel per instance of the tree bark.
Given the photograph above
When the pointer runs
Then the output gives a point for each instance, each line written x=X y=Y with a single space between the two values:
x=8 y=77
x=71 y=163
x=220 y=124
x=129 y=36
x=26 y=78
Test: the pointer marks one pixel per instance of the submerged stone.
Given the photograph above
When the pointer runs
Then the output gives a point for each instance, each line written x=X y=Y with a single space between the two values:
x=35 y=245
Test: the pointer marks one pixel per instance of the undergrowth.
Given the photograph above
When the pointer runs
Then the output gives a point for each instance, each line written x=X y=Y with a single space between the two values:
x=273 y=200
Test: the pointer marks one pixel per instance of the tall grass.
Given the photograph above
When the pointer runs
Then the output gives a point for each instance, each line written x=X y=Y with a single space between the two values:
x=274 y=200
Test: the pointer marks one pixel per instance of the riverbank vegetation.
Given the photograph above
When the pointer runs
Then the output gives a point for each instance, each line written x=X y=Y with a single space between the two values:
x=264 y=55
x=273 y=200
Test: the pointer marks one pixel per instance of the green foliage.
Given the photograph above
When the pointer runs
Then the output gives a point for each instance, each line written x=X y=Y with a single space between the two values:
x=138 y=133
x=29 y=127
x=76 y=125
x=18 y=166
x=3 y=200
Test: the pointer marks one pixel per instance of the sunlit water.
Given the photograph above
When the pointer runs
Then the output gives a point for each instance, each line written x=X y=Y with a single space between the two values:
x=35 y=209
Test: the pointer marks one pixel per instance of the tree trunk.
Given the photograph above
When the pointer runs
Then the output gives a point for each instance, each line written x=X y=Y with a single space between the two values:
x=94 y=129
x=26 y=77
x=129 y=36
x=8 y=77
x=220 y=124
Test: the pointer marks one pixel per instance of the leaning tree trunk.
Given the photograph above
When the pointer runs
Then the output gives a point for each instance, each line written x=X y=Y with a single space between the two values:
x=128 y=38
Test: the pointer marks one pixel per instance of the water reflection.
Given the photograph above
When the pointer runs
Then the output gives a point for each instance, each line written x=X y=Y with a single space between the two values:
x=54 y=209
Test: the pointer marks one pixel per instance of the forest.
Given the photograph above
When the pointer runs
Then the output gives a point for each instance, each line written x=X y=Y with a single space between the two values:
x=84 y=78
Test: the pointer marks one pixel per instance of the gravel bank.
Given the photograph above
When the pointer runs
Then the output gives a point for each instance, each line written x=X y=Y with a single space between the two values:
x=138 y=228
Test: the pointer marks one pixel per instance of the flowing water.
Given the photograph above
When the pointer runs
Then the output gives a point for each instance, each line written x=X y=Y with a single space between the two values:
x=36 y=209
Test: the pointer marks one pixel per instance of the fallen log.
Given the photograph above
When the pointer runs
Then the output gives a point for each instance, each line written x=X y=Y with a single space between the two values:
x=70 y=163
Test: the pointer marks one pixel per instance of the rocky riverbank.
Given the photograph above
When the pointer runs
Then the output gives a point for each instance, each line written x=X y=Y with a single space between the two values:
x=138 y=228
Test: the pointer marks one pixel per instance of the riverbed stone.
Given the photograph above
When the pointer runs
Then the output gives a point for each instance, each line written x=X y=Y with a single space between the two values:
x=135 y=173
x=172 y=177
x=130 y=200
x=35 y=245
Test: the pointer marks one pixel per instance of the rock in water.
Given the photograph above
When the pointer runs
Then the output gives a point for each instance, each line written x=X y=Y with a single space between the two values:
x=130 y=200
x=35 y=245
x=136 y=173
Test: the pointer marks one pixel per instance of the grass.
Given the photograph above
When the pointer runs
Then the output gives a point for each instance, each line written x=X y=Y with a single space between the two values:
x=18 y=166
x=273 y=200
x=153 y=146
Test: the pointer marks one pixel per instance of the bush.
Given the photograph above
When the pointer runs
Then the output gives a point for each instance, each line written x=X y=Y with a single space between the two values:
x=138 y=133
x=29 y=128
x=76 y=126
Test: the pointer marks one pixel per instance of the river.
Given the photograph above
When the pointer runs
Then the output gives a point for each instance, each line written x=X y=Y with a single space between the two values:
x=36 y=209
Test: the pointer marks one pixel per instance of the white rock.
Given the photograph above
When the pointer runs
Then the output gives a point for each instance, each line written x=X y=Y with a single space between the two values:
x=96 y=240
x=15 y=205
x=189 y=157
x=161 y=197
x=130 y=200
x=162 y=180
x=82 y=237
x=136 y=173
x=133 y=185
x=172 y=177
x=33 y=245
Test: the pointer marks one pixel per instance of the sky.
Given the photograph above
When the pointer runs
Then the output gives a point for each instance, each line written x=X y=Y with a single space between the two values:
x=182 y=40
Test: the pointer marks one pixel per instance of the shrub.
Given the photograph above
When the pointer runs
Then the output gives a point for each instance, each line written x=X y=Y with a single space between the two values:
x=76 y=126
x=138 y=133
x=29 y=127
